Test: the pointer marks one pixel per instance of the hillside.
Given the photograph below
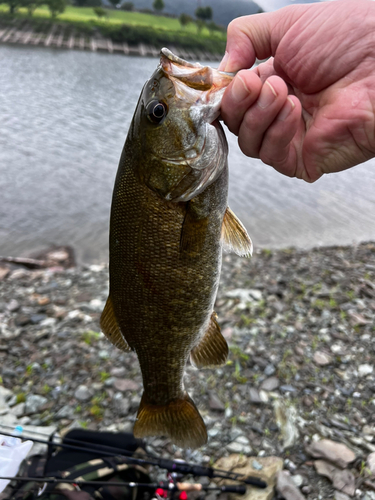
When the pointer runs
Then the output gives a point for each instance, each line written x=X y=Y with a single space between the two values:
x=223 y=11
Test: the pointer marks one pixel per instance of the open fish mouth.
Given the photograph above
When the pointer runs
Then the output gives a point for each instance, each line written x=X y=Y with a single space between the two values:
x=194 y=83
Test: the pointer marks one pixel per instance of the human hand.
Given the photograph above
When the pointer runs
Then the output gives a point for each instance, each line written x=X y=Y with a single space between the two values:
x=323 y=56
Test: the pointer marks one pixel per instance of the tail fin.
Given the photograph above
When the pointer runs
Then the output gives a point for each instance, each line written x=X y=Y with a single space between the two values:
x=179 y=420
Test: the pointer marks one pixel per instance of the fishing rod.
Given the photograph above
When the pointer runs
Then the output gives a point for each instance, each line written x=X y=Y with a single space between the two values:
x=170 y=465
x=240 y=489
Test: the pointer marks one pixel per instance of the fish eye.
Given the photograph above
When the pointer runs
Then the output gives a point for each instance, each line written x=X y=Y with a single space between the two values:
x=156 y=111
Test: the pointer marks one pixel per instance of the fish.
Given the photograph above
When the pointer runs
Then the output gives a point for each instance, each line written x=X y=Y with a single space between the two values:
x=169 y=221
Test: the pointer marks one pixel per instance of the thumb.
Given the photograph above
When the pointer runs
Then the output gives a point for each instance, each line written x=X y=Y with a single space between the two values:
x=257 y=36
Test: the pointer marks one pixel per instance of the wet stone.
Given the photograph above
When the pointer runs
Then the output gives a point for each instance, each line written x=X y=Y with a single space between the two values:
x=34 y=403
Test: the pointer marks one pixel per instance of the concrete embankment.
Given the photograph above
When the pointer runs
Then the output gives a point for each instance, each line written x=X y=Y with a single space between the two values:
x=64 y=37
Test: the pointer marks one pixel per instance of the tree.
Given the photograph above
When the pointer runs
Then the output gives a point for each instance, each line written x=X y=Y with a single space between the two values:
x=158 y=5
x=114 y=2
x=56 y=7
x=204 y=13
x=87 y=3
x=100 y=12
x=13 y=5
x=129 y=6
x=200 y=25
x=185 y=19
x=213 y=27
x=30 y=5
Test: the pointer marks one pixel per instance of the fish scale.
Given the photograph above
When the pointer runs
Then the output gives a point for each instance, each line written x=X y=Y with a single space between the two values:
x=165 y=254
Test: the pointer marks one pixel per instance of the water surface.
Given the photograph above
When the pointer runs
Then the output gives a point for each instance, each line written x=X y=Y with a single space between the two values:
x=64 y=116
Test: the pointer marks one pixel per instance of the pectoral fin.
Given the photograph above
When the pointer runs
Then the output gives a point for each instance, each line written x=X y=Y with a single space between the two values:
x=111 y=328
x=235 y=236
x=212 y=350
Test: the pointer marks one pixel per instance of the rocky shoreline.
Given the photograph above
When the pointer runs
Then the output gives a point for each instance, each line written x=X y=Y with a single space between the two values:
x=301 y=331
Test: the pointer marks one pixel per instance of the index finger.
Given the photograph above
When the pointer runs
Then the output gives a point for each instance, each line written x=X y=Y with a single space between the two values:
x=257 y=36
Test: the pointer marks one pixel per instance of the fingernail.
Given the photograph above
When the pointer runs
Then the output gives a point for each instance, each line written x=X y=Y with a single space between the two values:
x=223 y=62
x=286 y=110
x=239 y=89
x=267 y=95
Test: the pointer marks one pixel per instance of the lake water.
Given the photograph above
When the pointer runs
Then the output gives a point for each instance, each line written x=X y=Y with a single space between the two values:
x=64 y=116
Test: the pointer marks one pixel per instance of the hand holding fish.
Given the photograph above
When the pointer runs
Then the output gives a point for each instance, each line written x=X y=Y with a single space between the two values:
x=323 y=56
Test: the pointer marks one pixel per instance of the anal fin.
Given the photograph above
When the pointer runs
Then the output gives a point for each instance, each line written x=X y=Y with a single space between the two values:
x=212 y=350
x=235 y=236
x=111 y=328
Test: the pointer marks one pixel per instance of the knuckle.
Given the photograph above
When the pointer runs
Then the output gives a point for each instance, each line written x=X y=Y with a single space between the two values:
x=248 y=148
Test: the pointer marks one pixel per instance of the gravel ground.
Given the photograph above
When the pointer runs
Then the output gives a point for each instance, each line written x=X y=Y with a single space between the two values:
x=301 y=331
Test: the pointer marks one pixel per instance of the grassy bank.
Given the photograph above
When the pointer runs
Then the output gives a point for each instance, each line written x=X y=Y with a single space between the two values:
x=122 y=26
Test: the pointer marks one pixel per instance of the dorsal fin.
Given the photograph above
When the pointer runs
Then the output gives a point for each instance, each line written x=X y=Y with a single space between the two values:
x=111 y=328
x=235 y=236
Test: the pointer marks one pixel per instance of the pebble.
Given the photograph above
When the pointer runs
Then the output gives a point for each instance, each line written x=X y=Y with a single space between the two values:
x=295 y=314
x=124 y=385
x=269 y=370
x=215 y=403
x=370 y=463
x=297 y=480
x=121 y=405
x=65 y=412
x=364 y=370
x=34 y=402
x=322 y=358
x=287 y=388
x=82 y=393
x=270 y=384
x=338 y=495
x=236 y=447
x=287 y=488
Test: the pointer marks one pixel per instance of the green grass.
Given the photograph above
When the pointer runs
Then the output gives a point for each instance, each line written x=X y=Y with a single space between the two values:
x=122 y=26
x=118 y=17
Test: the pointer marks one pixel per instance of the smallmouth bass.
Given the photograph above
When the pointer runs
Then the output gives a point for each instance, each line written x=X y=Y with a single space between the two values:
x=169 y=221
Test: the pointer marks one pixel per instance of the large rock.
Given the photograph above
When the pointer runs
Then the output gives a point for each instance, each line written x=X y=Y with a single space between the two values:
x=287 y=488
x=332 y=451
x=342 y=480
x=265 y=468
